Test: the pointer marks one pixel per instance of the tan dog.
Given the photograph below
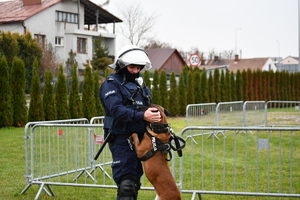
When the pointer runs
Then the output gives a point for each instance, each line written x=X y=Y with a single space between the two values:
x=156 y=167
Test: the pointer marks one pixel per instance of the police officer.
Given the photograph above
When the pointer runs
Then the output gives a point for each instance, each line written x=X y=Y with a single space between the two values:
x=122 y=97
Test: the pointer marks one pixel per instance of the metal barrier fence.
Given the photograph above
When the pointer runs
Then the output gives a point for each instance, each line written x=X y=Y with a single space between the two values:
x=106 y=160
x=201 y=114
x=254 y=113
x=283 y=113
x=249 y=113
x=27 y=136
x=229 y=113
x=265 y=163
x=63 y=154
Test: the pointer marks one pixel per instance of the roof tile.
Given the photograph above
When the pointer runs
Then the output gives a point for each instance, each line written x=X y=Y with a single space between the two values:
x=13 y=11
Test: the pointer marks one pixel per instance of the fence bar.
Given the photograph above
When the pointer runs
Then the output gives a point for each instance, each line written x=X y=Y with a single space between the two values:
x=200 y=114
x=283 y=113
x=63 y=154
x=265 y=163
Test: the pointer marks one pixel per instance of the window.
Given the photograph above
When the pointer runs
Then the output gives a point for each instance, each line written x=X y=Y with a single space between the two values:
x=81 y=45
x=41 y=39
x=59 y=41
x=66 y=17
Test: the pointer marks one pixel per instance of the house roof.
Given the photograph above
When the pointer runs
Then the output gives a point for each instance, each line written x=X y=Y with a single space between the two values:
x=158 y=57
x=14 y=11
x=104 y=16
x=241 y=64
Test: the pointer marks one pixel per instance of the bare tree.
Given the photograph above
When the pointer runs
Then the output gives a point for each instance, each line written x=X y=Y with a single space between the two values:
x=136 y=24
x=212 y=53
x=50 y=60
x=153 y=43
x=227 y=54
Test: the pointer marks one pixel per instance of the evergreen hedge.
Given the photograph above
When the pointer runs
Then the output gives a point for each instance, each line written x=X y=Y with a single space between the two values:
x=173 y=97
x=197 y=86
x=193 y=87
x=61 y=96
x=190 y=95
x=48 y=97
x=98 y=104
x=18 y=83
x=88 y=97
x=6 y=111
x=163 y=89
x=181 y=95
x=74 y=97
x=155 y=93
x=204 y=87
x=36 y=111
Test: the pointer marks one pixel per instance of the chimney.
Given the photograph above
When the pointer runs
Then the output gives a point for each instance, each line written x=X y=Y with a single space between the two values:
x=31 y=2
x=216 y=58
x=236 y=57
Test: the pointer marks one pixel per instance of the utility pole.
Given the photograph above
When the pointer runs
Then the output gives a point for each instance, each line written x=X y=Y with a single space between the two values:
x=237 y=29
x=298 y=36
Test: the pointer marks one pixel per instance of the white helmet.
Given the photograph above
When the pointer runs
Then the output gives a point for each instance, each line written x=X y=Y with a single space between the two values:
x=131 y=55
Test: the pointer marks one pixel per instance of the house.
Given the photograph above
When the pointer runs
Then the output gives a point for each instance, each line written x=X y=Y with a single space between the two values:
x=165 y=59
x=66 y=24
x=263 y=64
x=289 y=64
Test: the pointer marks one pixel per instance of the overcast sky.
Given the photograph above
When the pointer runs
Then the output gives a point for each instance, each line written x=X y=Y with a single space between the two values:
x=258 y=28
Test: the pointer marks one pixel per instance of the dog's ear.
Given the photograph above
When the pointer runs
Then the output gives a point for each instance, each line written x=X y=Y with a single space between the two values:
x=167 y=113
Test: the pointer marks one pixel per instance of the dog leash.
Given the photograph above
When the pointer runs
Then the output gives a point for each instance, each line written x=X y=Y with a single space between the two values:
x=177 y=141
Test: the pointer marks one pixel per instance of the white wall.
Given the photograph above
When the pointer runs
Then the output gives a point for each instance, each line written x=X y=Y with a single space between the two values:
x=269 y=64
x=44 y=23
x=289 y=61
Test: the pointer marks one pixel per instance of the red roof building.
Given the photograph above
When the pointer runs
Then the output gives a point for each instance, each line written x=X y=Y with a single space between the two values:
x=166 y=59
x=263 y=64
x=66 y=24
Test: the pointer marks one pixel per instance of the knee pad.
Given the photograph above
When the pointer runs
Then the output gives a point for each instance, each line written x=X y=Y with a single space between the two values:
x=127 y=190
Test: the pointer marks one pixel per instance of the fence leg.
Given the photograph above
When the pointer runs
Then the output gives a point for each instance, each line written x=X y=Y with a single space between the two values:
x=214 y=135
x=44 y=189
x=102 y=169
x=194 y=196
x=50 y=189
x=26 y=188
x=199 y=196
x=88 y=175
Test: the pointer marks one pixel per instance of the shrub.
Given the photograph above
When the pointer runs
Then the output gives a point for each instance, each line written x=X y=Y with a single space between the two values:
x=74 y=98
x=6 y=112
x=48 y=98
x=36 y=111
x=18 y=83
x=61 y=96
x=88 y=97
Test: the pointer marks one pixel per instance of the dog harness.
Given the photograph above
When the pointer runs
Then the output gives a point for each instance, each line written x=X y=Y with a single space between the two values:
x=159 y=145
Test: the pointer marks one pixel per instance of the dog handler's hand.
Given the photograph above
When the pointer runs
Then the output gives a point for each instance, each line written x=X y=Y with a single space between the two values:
x=151 y=115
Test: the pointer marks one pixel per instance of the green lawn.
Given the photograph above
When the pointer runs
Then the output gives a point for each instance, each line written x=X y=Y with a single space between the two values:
x=12 y=170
